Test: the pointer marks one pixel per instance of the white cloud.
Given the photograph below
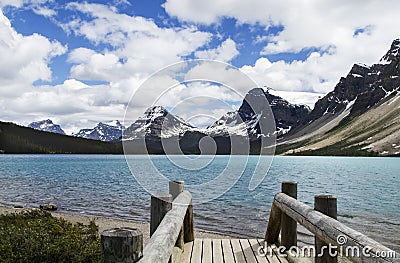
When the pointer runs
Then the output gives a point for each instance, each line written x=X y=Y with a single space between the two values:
x=14 y=3
x=43 y=11
x=327 y=27
x=24 y=59
x=20 y=3
x=140 y=46
x=225 y=52
x=70 y=104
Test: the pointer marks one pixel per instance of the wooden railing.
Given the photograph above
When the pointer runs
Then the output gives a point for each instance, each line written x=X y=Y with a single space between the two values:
x=286 y=212
x=171 y=225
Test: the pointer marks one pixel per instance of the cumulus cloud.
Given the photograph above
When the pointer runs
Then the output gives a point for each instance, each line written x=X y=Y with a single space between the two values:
x=70 y=104
x=225 y=52
x=20 y=3
x=340 y=32
x=24 y=59
x=124 y=50
x=140 y=46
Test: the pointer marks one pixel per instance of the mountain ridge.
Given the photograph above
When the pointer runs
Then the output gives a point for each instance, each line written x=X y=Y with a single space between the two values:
x=365 y=91
x=106 y=132
x=47 y=126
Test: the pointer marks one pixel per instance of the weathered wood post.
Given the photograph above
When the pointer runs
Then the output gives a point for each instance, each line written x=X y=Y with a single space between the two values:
x=175 y=188
x=288 y=225
x=326 y=204
x=121 y=245
x=274 y=225
x=160 y=205
x=188 y=226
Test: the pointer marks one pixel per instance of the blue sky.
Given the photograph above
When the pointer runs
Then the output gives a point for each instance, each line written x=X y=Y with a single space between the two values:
x=79 y=63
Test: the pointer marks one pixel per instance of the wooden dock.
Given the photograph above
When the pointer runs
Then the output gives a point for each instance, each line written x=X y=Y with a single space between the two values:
x=229 y=251
x=172 y=235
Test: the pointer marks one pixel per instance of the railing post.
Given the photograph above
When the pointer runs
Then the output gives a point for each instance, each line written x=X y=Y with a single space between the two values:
x=288 y=225
x=188 y=226
x=326 y=204
x=274 y=224
x=175 y=188
x=160 y=205
x=121 y=245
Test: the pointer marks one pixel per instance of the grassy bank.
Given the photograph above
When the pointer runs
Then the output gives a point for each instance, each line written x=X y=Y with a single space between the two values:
x=37 y=236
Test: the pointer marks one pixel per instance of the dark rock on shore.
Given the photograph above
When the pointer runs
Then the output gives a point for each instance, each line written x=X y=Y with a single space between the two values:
x=48 y=207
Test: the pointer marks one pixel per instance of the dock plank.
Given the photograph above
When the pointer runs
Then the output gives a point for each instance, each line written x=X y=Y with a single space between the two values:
x=207 y=251
x=227 y=251
x=271 y=255
x=187 y=252
x=277 y=255
x=217 y=251
x=247 y=251
x=255 y=246
x=197 y=251
x=237 y=251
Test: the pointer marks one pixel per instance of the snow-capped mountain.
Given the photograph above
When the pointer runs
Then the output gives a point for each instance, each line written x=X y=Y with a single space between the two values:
x=254 y=110
x=360 y=114
x=47 y=126
x=108 y=131
x=363 y=87
x=157 y=122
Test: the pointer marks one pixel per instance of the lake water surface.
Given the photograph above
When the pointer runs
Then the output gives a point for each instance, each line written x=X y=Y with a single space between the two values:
x=367 y=189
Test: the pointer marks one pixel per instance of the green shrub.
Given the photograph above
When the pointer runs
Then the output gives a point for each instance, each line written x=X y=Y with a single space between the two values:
x=37 y=236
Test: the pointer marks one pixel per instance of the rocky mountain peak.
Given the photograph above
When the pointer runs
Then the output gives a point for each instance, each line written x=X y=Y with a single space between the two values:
x=103 y=131
x=155 y=111
x=393 y=53
x=254 y=108
x=157 y=122
x=47 y=126
x=364 y=88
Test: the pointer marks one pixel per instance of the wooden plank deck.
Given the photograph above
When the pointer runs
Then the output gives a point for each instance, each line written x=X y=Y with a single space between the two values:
x=227 y=251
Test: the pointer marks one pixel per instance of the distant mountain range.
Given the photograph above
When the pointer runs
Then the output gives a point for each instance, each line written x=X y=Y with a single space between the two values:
x=359 y=117
x=18 y=139
x=105 y=132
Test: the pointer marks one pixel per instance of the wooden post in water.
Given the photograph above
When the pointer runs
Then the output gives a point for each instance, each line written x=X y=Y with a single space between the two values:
x=288 y=225
x=326 y=204
x=160 y=205
x=121 y=245
x=175 y=188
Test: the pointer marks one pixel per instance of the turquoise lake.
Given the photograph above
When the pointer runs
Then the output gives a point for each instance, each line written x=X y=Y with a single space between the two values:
x=367 y=189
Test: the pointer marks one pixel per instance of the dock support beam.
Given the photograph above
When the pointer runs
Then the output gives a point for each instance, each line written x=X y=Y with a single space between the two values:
x=326 y=204
x=288 y=225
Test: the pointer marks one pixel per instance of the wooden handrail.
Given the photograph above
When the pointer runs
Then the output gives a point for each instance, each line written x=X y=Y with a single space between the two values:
x=325 y=228
x=160 y=246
